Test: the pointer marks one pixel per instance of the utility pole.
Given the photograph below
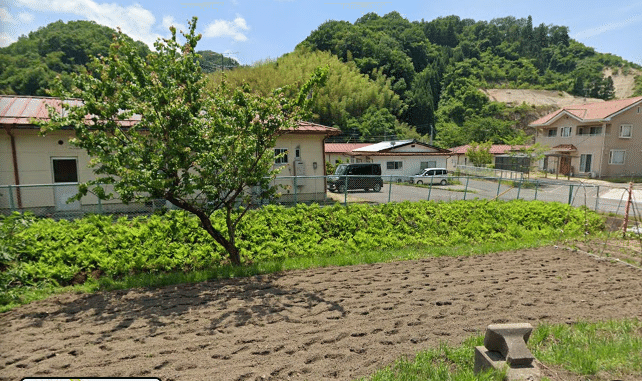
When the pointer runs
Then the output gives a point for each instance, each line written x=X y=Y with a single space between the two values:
x=224 y=54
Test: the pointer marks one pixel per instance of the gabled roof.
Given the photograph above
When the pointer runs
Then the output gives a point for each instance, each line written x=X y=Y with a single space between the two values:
x=19 y=110
x=383 y=146
x=389 y=146
x=343 y=147
x=314 y=128
x=592 y=112
x=495 y=149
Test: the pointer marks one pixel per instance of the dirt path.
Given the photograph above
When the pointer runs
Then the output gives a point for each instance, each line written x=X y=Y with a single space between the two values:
x=321 y=324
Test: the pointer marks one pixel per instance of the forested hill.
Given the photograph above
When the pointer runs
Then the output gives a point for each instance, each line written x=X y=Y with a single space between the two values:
x=29 y=65
x=437 y=67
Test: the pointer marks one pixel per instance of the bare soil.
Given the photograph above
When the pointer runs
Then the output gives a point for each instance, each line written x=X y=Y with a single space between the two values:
x=554 y=98
x=335 y=323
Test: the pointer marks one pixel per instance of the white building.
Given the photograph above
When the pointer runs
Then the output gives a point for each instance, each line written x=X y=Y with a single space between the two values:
x=402 y=158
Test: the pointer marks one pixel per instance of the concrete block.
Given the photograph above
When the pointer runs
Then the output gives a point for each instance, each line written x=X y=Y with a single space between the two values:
x=510 y=340
x=485 y=359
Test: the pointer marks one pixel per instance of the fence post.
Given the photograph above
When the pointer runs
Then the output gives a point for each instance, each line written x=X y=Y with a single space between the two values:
x=296 y=200
x=345 y=191
x=570 y=194
x=499 y=184
x=519 y=188
x=625 y=225
x=429 y=190
x=597 y=197
x=389 y=187
x=11 y=204
x=466 y=189
x=536 y=187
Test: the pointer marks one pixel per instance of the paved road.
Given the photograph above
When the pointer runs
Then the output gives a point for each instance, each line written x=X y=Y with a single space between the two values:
x=580 y=195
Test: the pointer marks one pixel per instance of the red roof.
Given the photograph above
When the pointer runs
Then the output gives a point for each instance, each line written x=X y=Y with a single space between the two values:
x=495 y=149
x=343 y=147
x=565 y=147
x=21 y=109
x=314 y=128
x=600 y=111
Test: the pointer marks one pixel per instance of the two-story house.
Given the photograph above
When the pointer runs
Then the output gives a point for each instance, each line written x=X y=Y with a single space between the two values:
x=595 y=140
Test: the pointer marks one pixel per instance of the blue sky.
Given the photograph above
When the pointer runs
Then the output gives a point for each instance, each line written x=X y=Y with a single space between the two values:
x=251 y=31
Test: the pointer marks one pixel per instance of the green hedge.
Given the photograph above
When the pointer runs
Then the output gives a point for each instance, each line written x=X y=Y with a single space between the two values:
x=43 y=250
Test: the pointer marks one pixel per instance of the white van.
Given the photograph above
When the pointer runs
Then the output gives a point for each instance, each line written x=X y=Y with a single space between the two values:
x=431 y=176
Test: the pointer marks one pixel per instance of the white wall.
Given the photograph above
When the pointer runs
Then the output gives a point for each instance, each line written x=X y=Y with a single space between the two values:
x=411 y=164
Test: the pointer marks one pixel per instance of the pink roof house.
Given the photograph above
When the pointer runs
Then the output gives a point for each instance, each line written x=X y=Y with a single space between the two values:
x=596 y=140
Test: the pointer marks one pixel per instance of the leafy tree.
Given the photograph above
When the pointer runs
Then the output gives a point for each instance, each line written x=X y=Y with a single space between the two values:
x=637 y=91
x=479 y=153
x=200 y=150
x=450 y=135
x=488 y=129
x=347 y=93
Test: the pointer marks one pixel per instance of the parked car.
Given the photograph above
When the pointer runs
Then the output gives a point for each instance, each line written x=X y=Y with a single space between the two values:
x=364 y=176
x=431 y=176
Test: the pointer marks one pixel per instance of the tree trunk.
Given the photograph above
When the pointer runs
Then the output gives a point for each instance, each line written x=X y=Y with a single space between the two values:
x=228 y=245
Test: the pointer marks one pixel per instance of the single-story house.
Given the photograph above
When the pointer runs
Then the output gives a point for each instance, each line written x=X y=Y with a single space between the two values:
x=401 y=158
x=341 y=152
x=40 y=173
x=601 y=139
x=504 y=157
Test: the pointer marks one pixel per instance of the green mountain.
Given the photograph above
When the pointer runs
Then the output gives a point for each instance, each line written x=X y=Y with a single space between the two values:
x=211 y=61
x=437 y=67
x=29 y=65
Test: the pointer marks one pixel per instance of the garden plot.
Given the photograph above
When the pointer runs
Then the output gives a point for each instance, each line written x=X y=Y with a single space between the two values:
x=321 y=324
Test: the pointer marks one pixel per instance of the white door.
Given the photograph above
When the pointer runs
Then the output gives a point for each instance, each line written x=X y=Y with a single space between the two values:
x=65 y=178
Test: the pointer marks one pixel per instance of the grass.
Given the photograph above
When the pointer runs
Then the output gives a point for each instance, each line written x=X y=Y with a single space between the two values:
x=23 y=295
x=603 y=351
x=444 y=363
x=610 y=349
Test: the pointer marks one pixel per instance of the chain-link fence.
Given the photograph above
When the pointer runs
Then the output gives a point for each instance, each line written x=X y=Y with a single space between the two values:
x=51 y=200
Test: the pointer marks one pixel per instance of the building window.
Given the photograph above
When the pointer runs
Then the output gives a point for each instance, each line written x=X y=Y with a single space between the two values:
x=297 y=152
x=427 y=164
x=565 y=132
x=592 y=131
x=65 y=170
x=394 y=164
x=551 y=133
x=280 y=155
x=617 y=156
x=625 y=131
x=585 y=162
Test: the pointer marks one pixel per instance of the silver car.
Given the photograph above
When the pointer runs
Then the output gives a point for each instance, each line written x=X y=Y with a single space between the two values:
x=431 y=176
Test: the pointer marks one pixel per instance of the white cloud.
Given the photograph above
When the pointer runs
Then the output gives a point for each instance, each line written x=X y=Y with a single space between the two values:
x=25 y=17
x=223 y=28
x=169 y=21
x=134 y=20
x=6 y=17
x=607 y=27
x=6 y=40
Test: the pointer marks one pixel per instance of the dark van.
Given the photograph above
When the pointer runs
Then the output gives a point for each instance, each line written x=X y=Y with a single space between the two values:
x=364 y=176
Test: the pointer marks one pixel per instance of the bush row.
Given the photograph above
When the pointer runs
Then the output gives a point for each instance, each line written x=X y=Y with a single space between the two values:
x=63 y=252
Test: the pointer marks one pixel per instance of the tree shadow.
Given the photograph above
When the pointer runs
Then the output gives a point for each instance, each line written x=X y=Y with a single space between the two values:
x=256 y=300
